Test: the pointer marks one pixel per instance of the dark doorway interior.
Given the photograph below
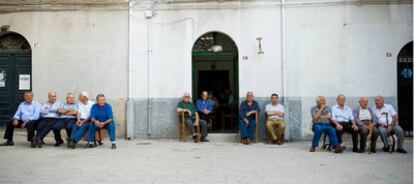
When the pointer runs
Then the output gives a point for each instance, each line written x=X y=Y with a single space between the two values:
x=212 y=80
x=405 y=88
x=217 y=83
x=215 y=70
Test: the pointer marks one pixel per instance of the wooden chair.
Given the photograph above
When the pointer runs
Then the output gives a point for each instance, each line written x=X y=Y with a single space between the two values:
x=324 y=135
x=268 y=137
x=211 y=120
x=256 y=135
x=182 y=128
x=100 y=134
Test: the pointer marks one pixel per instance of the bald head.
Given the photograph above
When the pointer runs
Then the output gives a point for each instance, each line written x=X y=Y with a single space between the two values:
x=249 y=96
x=204 y=95
x=340 y=99
x=186 y=97
x=52 y=97
x=83 y=97
x=320 y=101
x=363 y=102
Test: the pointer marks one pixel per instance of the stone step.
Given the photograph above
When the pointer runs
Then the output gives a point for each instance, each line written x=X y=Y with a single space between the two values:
x=223 y=137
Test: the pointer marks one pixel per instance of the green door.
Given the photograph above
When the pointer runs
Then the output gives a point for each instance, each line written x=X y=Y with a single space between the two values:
x=15 y=73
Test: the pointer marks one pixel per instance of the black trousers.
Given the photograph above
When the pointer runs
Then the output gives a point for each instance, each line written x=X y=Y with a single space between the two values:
x=31 y=127
x=347 y=127
x=45 y=126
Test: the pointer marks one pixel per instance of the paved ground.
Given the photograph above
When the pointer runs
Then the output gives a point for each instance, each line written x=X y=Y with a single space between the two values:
x=169 y=161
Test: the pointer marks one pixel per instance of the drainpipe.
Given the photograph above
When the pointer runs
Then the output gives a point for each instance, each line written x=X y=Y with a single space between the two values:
x=130 y=103
x=283 y=60
x=149 y=51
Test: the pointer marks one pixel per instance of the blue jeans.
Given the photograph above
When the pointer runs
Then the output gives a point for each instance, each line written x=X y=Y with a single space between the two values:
x=247 y=131
x=319 y=129
x=110 y=127
x=79 y=131
x=66 y=123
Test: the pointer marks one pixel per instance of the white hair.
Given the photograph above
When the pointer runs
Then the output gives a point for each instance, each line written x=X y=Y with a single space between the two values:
x=319 y=98
x=84 y=93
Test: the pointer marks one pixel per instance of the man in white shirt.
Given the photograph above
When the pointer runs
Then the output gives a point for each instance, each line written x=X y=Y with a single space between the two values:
x=275 y=114
x=386 y=118
x=83 y=122
x=343 y=119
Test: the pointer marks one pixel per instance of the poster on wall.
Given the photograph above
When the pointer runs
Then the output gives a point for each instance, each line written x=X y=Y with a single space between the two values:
x=24 y=82
x=2 y=79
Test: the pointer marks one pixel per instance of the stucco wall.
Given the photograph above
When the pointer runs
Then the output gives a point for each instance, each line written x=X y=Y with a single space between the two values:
x=77 y=50
x=330 y=49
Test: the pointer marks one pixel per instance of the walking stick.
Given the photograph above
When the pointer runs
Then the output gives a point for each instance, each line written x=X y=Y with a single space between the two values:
x=369 y=138
x=389 y=134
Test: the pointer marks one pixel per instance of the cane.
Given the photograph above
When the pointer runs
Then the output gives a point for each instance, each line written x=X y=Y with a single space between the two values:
x=389 y=135
x=369 y=139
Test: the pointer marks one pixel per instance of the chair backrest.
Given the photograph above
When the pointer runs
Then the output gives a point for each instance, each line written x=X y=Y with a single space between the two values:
x=180 y=117
x=257 y=126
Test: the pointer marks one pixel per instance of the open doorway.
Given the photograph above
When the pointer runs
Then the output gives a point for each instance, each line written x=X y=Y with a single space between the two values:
x=215 y=70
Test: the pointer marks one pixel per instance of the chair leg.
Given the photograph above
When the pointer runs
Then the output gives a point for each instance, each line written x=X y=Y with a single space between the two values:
x=256 y=135
x=324 y=141
x=184 y=133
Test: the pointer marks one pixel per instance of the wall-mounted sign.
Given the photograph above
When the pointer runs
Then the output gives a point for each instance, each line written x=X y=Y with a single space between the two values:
x=24 y=82
x=2 y=79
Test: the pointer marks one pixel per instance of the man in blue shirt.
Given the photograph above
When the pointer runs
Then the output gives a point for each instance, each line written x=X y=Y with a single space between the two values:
x=102 y=117
x=204 y=106
x=26 y=116
x=50 y=115
x=248 y=110
x=68 y=114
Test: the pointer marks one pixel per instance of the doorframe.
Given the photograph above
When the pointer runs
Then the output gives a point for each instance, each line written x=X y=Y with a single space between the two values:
x=15 y=53
x=235 y=60
x=406 y=132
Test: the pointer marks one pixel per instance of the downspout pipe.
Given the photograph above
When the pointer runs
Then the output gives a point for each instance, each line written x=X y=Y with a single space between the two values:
x=283 y=61
x=130 y=103
x=149 y=51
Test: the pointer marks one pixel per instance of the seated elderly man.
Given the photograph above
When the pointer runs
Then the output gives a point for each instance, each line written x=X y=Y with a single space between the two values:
x=364 y=118
x=321 y=116
x=83 y=121
x=343 y=120
x=386 y=118
x=204 y=106
x=102 y=117
x=275 y=113
x=50 y=115
x=192 y=118
x=247 y=116
x=67 y=119
x=26 y=116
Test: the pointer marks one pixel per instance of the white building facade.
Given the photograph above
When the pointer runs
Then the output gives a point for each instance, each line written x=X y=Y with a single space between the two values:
x=144 y=54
